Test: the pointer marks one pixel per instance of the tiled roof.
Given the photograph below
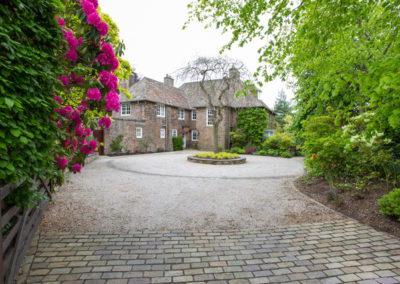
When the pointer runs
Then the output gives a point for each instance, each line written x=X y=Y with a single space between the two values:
x=198 y=98
x=190 y=95
x=151 y=90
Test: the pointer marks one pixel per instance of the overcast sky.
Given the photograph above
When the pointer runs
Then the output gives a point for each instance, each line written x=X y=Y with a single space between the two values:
x=156 y=45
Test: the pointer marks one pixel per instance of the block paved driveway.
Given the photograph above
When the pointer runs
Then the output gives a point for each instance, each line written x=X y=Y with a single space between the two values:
x=284 y=244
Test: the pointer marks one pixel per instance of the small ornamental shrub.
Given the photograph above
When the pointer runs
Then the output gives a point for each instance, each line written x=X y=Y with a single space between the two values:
x=235 y=149
x=116 y=145
x=242 y=151
x=390 y=204
x=219 y=156
x=286 y=154
x=250 y=150
x=238 y=138
x=262 y=153
x=177 y=143
x=280 y=142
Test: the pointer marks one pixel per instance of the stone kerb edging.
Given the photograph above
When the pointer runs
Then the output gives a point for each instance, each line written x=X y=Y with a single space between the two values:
x=236 y=161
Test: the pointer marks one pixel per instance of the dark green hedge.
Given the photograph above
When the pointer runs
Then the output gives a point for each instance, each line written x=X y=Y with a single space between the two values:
x=177 y=143
x=29 y=39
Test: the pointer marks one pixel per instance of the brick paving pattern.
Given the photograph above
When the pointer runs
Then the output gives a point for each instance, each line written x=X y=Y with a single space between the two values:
x=332 y=252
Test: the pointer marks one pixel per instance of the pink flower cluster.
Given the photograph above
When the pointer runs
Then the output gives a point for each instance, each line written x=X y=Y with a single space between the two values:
x=108 y=57
x=72 y=120
x=93 y=18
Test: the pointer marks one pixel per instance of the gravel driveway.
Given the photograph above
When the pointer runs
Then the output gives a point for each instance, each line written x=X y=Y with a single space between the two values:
x=164 y=191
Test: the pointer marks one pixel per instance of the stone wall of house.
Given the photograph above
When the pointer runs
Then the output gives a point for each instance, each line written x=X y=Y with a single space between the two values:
x=144 y=114
x=206 y=133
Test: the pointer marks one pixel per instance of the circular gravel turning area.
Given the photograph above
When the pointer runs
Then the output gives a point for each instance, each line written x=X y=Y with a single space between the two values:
x=164 y=191
x=176 y=165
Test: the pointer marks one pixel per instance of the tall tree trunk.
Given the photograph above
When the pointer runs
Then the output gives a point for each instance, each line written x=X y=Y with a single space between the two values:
x=215 y=136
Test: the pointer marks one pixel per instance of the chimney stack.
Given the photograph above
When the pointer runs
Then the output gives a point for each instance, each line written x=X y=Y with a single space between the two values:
x=234 y=73
x=168 y=80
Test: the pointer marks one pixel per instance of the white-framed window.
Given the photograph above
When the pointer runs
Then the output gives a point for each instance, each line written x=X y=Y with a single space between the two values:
x=195 y=135
x=194 y=114
x=125 y=109
x=162 y=133
x=181 y=114
x=209 y=120
x=160 y=110
x=174 y=132
x=139 y=132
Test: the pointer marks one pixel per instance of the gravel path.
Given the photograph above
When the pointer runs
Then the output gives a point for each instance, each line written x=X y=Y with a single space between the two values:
x=164 y=192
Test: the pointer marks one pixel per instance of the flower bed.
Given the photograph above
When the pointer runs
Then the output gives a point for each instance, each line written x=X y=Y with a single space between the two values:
x=222 y=158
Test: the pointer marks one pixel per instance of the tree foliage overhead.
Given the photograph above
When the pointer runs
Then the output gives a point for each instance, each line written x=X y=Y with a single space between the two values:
x=342 y=57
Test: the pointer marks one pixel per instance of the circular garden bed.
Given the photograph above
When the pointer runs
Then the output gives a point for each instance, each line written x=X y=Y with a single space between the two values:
x=217 y=159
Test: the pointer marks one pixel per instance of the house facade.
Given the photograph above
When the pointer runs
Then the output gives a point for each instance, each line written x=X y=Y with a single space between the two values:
x=158 y=111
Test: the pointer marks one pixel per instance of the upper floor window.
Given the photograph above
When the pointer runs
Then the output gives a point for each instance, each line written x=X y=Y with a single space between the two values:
x=210 y=117
x=195 y=135
x=194 y=115
x=160 y=110
x=162 y=133
x=125 y=109
x=139 y=132
x=181 y=114
x=174 y=132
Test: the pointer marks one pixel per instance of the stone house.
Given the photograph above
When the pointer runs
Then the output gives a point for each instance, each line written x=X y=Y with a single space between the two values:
x=158 y=111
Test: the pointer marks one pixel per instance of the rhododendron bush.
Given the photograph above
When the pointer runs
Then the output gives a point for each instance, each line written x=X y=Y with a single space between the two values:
x=60 y=64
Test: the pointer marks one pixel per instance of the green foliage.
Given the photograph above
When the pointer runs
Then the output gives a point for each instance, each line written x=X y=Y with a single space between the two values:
x=29 y=36
x=282 y=108
x=335 y=151
x=341 y=55
x=390 y=204
x=177 y=143
x=116 y=145
x=235 y=149
x=241 y=151
x=280 y=144
x=262 y=152
x=251 y=125
x=25 y=196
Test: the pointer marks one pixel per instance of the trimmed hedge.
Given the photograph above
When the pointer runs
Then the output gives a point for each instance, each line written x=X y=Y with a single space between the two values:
x=177 y=143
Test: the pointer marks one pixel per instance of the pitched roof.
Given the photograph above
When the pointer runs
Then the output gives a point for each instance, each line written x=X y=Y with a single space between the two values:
x=198 y=98
x=151 y=90
x=190 y=95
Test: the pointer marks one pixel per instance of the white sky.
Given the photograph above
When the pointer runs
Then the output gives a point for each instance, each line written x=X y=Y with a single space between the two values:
x=156 y=45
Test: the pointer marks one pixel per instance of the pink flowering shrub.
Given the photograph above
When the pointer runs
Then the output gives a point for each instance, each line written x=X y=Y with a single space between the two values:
x=82 y=91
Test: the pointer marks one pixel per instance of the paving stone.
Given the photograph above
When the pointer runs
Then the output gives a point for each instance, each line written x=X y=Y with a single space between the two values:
x=330 y=252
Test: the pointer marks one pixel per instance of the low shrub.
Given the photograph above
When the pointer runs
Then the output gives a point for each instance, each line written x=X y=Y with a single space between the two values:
x=286 y=154
x=280 y=141
x=235 y=150
x=177 y=143
x=219 y=156
x=390 y=204
x=116 y=144
x=262 y=153
x=242 y=151
x=250 y=150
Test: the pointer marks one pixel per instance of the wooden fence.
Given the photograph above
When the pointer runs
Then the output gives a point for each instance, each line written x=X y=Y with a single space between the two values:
x=18 y=229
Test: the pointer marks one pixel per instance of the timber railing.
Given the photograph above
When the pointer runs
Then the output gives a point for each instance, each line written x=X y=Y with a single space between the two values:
x=18 y=228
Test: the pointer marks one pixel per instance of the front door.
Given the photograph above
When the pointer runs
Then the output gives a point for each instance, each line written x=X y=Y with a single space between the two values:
x=184 y=141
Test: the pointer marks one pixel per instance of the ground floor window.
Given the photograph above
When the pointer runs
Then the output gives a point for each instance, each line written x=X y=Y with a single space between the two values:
x=162 y=133
x=195 y=135
x=139 y=132
x=209 y=119
x=174 y=132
